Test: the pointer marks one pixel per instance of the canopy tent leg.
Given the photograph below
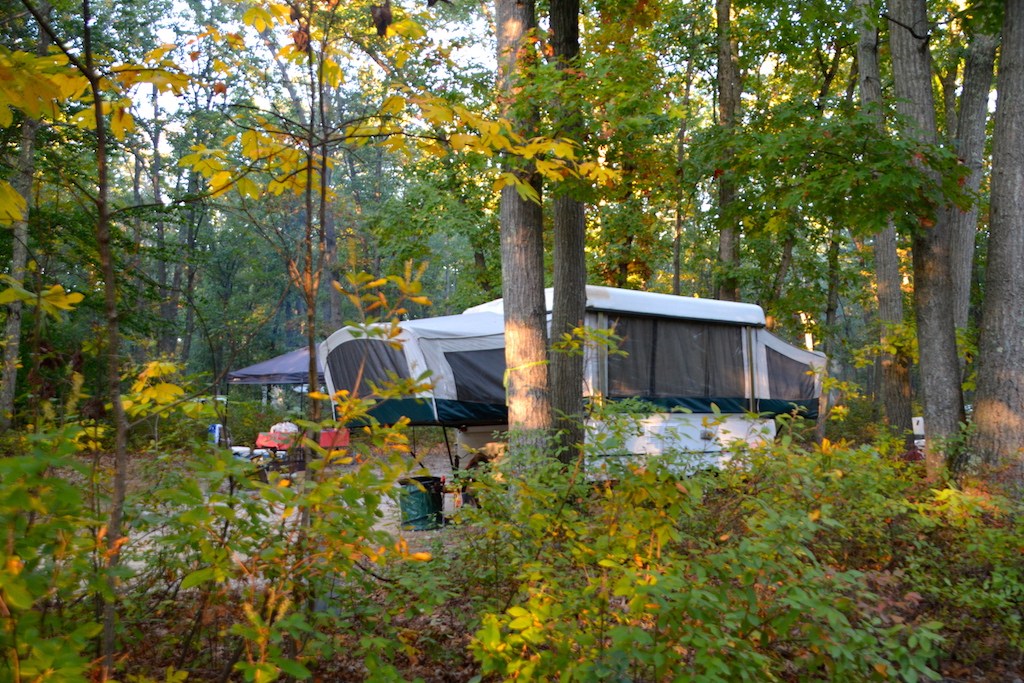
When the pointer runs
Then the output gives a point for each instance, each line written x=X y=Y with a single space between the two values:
x=453 y=460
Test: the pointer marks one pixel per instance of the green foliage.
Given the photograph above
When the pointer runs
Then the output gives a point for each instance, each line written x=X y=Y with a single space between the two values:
x=48 y=562
x=794 y=565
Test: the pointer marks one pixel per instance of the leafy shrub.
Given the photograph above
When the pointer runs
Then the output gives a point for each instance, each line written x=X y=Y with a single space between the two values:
x=48 y=562
x=728 y=576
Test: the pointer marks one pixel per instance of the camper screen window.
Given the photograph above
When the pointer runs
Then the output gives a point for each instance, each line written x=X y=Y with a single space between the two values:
x=676 y=359
x=788 y=379
x=363 y=361
x=479 y=375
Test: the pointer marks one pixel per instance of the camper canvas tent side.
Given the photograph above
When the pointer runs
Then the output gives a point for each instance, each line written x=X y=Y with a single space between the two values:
x=462 y=357
x=708 y=367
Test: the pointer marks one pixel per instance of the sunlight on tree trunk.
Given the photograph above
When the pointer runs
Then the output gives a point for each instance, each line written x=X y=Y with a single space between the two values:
x=999 y=402
x=940 y=367
x=522 y=249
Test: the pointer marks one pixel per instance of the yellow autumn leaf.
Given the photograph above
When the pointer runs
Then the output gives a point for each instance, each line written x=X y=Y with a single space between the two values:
x=393 y=105
x=281 y=10
x=394 y=143
x=460 y=141
x=158 y=368
x=12 y=204
x=552 y=170
x=247 y=188
x=332 y=73
x=563 y=149
x=163 y=393
x=220 y=182
x=160 y=52
x=259 y=18
x=814 y=515
x=407 y=28
x=503 y=181
x=56 y=299
x=121 y=122
x=436 y=113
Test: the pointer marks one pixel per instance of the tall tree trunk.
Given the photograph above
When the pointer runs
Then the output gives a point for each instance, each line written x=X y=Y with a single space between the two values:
x=22 y=183
x=831 y=316
x=570 y=264
x=999 y=401
x=108 y=269
x=522 y=249
x=936 y=335
x=677 y=239
x=970 y=147
x=729 y=84
x=895 y=367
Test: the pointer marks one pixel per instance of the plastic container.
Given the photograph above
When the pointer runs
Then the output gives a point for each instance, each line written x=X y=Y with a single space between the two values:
x=421 y=500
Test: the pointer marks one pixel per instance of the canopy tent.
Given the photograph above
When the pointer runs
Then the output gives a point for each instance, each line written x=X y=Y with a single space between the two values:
x=288 y=368
x=682 y=354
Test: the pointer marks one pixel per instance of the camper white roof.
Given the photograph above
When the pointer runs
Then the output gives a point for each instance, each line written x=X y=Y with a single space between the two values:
x=651 y=303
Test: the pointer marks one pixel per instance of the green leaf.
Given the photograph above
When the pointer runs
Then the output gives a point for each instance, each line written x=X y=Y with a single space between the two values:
x=293 y=668
x=197 y=577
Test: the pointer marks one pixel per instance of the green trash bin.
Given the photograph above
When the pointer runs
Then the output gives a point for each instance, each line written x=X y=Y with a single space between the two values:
x=421 y=500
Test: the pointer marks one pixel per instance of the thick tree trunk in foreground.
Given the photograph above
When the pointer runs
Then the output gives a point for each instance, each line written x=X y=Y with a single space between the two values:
x=522 y=251
x=999 y=402
x=570 y=264
x=895 y=384
x=940 y=365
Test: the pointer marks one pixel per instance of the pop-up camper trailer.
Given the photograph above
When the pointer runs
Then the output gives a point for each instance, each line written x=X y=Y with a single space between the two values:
x=710 y=369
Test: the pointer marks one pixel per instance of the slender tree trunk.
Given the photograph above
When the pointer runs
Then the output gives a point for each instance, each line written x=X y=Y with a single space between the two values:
x=999 y=402
x=940 y=367
x=970 y=147
x=831 y=316
x=729 y=85
x=22 y=183
x=895 y=367
x=677 y=240
x=522 y=250
x=570 y=264
x=108 y=269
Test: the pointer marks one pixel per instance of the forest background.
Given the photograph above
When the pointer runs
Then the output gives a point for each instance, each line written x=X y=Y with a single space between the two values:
x=185 y=182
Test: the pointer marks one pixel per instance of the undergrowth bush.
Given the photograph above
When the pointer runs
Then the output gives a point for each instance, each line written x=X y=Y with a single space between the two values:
x=834 y=563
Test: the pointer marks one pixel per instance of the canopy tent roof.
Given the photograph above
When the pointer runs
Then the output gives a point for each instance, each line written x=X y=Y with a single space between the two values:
x=288 y=368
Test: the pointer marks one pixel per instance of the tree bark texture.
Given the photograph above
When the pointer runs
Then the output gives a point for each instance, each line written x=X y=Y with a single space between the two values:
x=729 y=85
x=22 y=183
x=570 y=263
x=970 y=147
x=999 y=402
x=522 y=249
x=895 y=367
x=940 y=366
